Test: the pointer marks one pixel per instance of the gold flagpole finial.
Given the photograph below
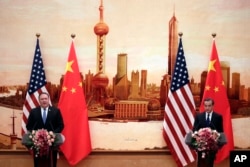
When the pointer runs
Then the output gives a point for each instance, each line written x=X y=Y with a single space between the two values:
x=213 y=35
x=180 y=34
x=37 y=35
x=73 y=36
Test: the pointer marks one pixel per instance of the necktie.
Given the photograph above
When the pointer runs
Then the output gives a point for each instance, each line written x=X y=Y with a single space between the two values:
x=44 y=115
x=208 y=120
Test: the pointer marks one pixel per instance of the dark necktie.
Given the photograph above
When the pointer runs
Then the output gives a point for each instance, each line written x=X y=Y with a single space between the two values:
x=44 y=115
x=208 y=120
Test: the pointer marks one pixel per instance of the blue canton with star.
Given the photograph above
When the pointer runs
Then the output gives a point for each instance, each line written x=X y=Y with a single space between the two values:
x=180 y=75
x=37 y=77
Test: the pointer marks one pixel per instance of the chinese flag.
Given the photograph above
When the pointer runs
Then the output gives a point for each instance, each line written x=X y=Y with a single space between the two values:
x=215 y=89
x=72 y=104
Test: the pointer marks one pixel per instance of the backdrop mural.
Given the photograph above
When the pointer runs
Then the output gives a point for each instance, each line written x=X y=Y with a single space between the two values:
x=140 y=38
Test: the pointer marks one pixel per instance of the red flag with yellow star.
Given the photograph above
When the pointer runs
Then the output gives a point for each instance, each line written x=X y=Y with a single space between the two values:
x=72 y=104
x=215 y=89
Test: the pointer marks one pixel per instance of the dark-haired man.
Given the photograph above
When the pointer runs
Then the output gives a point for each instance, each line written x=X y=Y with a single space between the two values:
x=208 y=118
x=45 y=117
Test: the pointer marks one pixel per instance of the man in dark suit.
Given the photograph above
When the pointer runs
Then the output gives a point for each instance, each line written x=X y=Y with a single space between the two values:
x=45 y=117
x=211 y=119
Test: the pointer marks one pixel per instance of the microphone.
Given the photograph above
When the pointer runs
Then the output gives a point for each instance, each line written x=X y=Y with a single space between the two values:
x=52 y=128
x=195 y=128
x=34 y=126
x=212 y=126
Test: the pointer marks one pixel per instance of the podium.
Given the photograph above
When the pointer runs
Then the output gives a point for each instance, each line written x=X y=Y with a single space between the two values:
x=210 y=157
x=46 y=160
x=222 y=140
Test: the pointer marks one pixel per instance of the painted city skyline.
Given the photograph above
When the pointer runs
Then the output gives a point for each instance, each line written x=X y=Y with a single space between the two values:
x=130 y=32
x=137 y=28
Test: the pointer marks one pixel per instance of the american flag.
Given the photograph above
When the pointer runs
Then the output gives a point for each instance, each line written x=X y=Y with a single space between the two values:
x=37 y=84
x=179 y=112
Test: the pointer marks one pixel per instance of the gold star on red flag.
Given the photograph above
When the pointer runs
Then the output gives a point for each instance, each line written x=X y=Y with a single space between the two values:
x=207 y=87
x=216 y=89
x=64 y=89
x=73 y=90
x=69 y=66
x=211 y=66
x=80 y=84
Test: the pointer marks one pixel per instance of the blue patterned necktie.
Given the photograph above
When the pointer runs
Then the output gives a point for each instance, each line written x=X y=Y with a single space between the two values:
x=44 y=115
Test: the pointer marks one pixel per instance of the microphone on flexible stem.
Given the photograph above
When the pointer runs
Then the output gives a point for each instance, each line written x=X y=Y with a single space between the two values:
x=33 y=128
x=222 y=138
x=52 y=128
x=196 y=127
x=212 y=125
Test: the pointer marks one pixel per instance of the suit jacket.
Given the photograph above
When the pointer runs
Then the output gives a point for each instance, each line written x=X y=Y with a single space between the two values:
x=54 y=121
x=216 y=122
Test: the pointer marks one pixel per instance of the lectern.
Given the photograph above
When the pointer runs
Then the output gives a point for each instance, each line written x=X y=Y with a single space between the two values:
x=209 y=158
x=221 y=141
x=45 y=160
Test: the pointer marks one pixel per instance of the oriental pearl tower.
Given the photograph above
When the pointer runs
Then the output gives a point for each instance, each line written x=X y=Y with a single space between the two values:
x=100 y=80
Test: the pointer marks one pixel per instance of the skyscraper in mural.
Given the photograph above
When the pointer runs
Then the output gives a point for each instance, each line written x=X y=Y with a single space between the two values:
x=101 y=29
x=120 y=81
x=172 y=44
x=225 y=69
x=143 y=83
x=100 y=80
x=172 y=51
x=235 y=85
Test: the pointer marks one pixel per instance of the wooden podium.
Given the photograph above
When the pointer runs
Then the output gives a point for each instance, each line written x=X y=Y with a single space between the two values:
x=46 y=160
x=209 y=158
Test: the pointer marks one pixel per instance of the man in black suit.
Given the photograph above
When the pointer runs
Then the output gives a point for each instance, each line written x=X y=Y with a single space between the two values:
x=45 y=117
x=211 y=119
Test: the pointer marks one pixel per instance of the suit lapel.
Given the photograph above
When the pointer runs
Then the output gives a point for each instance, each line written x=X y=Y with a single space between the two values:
x=40 y=114
x=49 y=115
x=204 y=117
x=203 y=120
x=213 y=118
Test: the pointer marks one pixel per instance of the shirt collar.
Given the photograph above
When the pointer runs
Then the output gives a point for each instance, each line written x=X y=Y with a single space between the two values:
x=210 y=114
